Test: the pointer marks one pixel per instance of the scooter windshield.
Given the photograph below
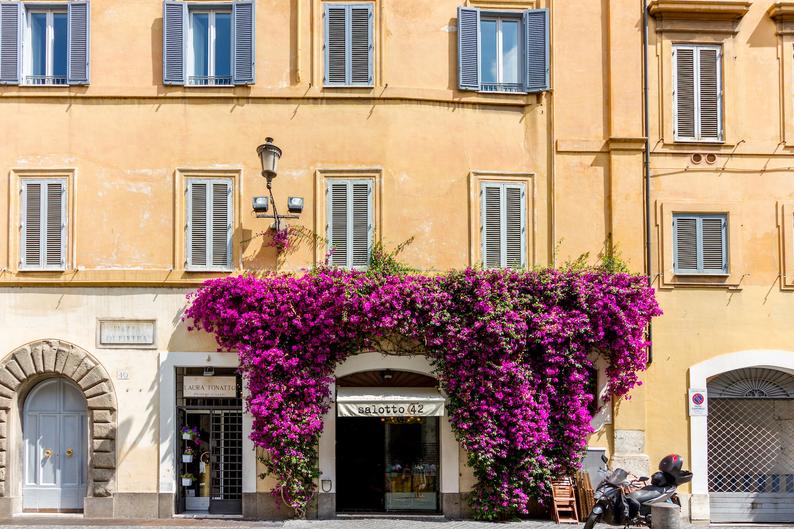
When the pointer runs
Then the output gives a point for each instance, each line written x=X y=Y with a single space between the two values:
x=617 y=477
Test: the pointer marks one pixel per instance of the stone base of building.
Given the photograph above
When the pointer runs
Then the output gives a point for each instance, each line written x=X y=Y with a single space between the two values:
x=10 y=506
x=699 y=509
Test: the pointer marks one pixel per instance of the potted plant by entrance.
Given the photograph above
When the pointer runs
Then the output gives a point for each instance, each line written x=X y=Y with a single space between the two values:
x=189 y=433
x=187 y=479
x=187 y=454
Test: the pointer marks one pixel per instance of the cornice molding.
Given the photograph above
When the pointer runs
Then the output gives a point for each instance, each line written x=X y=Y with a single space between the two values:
x=782 y=12
x=700 y=9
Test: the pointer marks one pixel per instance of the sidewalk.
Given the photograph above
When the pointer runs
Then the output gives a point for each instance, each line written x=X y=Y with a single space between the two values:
x=77 y=522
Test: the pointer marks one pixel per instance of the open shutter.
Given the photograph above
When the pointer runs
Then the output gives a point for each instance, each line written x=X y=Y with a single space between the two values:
x=686 y=244
x=174 y=29
x=78 y=50
x=244 y=42
x=10 y=15
x=221 y=224
x=56 y=225
x=361 y=221
x=714 y=247
x=709 y=92
x=361 y=44
x=31 y=224
x=468 y=48
x=684 y=96
x=338 y=223
x=536 y=28
x=515 y=229
x=335 y=45
x=491 y=225
x=197 y=224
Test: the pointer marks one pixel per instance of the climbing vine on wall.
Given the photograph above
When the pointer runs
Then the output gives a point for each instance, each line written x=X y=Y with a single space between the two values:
x=512 y=351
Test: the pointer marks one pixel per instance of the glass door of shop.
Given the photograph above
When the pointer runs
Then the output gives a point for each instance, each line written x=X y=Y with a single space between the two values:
x=387 y=464
x=209 y=452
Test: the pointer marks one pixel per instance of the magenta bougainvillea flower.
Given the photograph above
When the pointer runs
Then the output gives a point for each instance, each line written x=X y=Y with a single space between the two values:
x=512 y=350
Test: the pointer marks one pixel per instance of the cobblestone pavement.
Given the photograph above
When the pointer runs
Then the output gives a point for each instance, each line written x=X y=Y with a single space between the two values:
x=73 y=522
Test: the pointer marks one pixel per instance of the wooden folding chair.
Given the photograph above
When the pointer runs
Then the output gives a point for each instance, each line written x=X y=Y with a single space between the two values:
x=564 y=501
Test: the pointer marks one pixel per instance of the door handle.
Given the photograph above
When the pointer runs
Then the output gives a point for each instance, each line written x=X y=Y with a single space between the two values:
x=69 y=452
x=47 y=453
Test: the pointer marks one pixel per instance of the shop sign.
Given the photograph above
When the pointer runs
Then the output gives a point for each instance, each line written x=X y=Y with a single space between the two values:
x=389 y=402
x=126 y=333
x=218 y=387
x=698 y=403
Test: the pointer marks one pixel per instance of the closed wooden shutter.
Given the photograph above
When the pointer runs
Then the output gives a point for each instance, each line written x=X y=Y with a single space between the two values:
x=9 y=42
x=335 y=44
x=221 y=224
x=361 y=44
x=468 y=48
x=338 y=223
x=348 y=44
x=244 y=16
x=536 y=29
x=174 y=28
x=700 y=244
x=713 y=229
x=685 y=92
x=503 y=225
x=686 y=244
x=709 y=92
x=55 y=224
x=32 y=194
x=697 y=96
x=350 y=226
x=43 y=226
x=209 y=224
x=78 y=66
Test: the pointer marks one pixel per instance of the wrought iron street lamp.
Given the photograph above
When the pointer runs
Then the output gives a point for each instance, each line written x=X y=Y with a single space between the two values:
x=269 y=155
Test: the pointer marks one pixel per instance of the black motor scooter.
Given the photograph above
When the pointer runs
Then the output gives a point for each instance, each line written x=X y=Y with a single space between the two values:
x=622 y=501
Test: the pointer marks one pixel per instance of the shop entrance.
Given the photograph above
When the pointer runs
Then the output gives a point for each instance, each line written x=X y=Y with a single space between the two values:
x=387 y=443
x=209 y=442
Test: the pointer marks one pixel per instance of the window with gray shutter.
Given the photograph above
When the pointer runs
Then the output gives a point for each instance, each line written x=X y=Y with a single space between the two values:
x=209 y=224
x=503 y=225
x=9 y=42
x=700 y=243
x=349 y=224
x=348 y=45
x=697 y=92
x=209 y=44
x=43 y=224
x=503 y=51
x=78 y=37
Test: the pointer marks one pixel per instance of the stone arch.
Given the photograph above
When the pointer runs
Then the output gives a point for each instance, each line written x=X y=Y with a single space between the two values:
x=28 y=365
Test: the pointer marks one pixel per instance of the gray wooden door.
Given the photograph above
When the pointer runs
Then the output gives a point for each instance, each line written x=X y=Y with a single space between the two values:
x=54 y=431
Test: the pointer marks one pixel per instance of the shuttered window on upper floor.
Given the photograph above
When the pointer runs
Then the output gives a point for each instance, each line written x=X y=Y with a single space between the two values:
x=43 y=224
x=503 y=51
x=44 y=44
x=348 y=45
x=349 y=222
x=700 y=243
x=503 y=225
x=209 y=44
x=208 y=228
x=697 y=92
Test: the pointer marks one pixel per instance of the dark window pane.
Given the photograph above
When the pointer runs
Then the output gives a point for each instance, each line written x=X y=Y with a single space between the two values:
x=200 y=44
x=488 y=47
x=223 y=44
x=38 y=43
x=59 y=24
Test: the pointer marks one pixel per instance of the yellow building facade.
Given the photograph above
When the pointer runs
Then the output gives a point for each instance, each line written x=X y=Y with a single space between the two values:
x=493 y=132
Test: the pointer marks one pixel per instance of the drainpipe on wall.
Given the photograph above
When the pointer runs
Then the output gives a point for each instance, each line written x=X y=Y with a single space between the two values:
x=647 y=163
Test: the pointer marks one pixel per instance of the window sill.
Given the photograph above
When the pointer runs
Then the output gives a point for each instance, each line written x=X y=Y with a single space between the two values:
x=26 y=269
x=700 y=274
x=194 y=270
x=367 y=86
x=685 y=141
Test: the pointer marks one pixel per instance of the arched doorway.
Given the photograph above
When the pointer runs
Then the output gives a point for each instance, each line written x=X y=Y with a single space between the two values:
x=751 y=446
x=55 y=445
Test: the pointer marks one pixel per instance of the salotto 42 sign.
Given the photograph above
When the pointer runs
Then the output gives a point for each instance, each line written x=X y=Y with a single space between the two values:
x=390 y=409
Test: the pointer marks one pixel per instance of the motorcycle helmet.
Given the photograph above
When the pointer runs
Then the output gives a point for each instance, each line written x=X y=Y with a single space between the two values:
x=671 y=464
x=659 y=479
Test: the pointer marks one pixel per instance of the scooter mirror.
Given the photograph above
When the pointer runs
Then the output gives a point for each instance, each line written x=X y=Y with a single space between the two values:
x=644 y=478
x=604 y=459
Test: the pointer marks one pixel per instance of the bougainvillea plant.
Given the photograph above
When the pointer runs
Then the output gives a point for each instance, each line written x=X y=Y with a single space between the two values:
x=280 y=239
x=512 y=351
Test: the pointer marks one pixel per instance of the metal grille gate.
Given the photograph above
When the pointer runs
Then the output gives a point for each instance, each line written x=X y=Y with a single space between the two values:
x=751 y=447
x=227 y=461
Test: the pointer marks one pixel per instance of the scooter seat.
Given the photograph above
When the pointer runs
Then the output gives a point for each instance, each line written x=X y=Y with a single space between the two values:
x=646 y=494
